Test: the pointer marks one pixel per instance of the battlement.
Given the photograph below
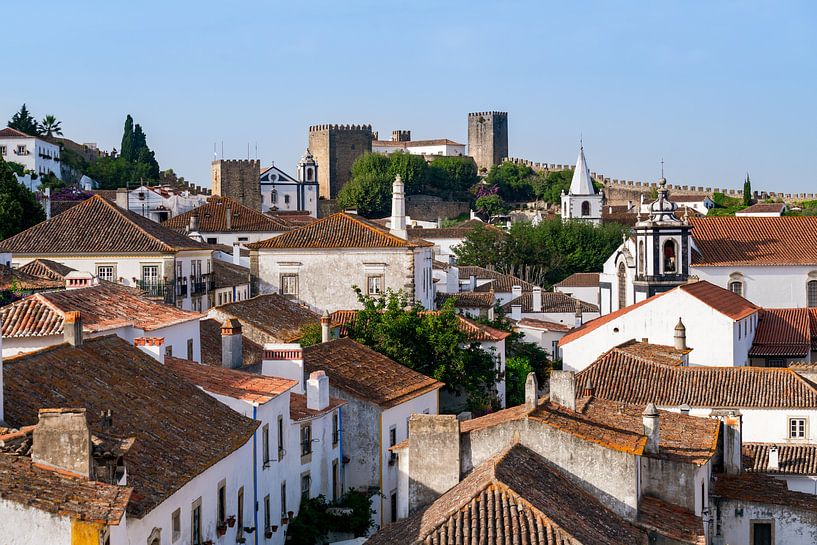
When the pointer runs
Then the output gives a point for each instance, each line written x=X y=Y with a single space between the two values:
x=229 y=162
x=401 y=136
x=494 y=114
x=339 y=127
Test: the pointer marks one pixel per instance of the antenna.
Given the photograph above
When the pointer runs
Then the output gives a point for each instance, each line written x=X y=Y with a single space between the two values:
x=662 y=167
x=222 y=149
x=256 y=151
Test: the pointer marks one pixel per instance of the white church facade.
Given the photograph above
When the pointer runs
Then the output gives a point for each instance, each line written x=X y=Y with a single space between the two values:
x=582 y=201
x=280 y=191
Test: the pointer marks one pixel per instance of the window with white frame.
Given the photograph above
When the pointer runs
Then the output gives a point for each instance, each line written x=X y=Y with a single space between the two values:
x=797 y=428
x=289 y=284
x=176 y=525
x=811 y=293
x=106 y=272
x=265 y=444
x=375 y=284
x=2 y=150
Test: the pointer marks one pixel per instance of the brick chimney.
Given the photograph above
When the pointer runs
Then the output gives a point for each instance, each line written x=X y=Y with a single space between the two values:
x=531 y=391
x=317 y=391
x=72 y=328
x=326 y=324
x=434 y=457
x=284 y=360
x=231 y=344
x=152 y=346
x=563 y=389
x=537 y=299
x=62 y=440
x=650 y=419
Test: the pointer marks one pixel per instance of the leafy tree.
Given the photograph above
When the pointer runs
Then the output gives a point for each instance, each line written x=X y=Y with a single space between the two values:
x=483 y=246
x=513 y=180
x=23 y=121
x=49 y=126
x=413 y=169
x=315 y=520
x=516 y=373
x=50 y=180
x=371 y=164
x=459 y=173
x=369 y=194
x=144 y=155
x=311 y=334
x=135 y=162
x=18 y=168
x=430 y=343
x=747 y=191
x=19 y=209
x=493 y=205
x=549 y=188
x=127 y=151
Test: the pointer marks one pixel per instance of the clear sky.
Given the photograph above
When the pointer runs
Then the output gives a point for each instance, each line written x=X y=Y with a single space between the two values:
x=715 y=88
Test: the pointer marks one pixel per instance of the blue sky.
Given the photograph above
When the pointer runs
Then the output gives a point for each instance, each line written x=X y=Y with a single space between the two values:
x=716 y=88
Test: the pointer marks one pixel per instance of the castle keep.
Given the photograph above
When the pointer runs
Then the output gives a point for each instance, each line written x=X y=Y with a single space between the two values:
x=487 y=138
x=239 y=179
x=335 y=148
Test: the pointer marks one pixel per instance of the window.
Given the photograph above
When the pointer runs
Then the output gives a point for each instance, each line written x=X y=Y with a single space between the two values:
x=150 y=275
x=265 y=444
x=622 y=285
x=289 y=284
x=374 y=284
x=190 y=349
x=2 y=150
x=761 y=533
x=811 y=293
x=267 y=520
x=195 y=523
x=335 y=482
x=335 y=429
x=243 y=239
x=393 y=502
x=222 y=502
x=585 y=208
x=240 y=515
x=273 y=196
x=176 y=525
x=281 y=451
x=670 y=262
x=169 y=350
x=736 y=286
x=392 y=442
x=212 y=240
x=306 y=484
x=106 y=272
x=306 y=439
x=309 y=173
x=283 y=499
x=21 y=150
x=797 y=428
x=641 y=257
x=286 y=199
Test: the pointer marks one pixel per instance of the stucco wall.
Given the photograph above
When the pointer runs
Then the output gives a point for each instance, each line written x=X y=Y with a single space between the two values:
x=773 y=286
x=586 y=294
x=24 y=525
x=790 y=526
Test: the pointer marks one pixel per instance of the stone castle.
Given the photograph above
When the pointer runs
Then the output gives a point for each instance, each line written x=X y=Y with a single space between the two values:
x=335 y=148
x=487 y=138
x=239 y=179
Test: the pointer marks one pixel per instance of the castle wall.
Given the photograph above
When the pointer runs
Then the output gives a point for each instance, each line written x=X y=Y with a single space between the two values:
x=487 y=138
x=239 y=179
x=335 y=148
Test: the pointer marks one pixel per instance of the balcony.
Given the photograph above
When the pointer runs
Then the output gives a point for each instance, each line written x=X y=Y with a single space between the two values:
x=21 y=152
x=152 y=288
x=181 y=289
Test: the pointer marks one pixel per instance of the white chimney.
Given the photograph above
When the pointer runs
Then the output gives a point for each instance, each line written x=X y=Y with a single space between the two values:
x=516 y=312
x=62 y=440
x=80 y=279
x=152 y=346
x=516 y=291
x=531 y=391
x=537 y=299
x=236 y=253
x=650 y=420
x=326 y=323
x=578 y=315
x=122 y=198
x=398 y=209
x=774 y=459
x=317 y=391
x=47 y=204
x=284 y=360
x=563 y=389
x=680 y=336
x=472 y=282
x=232 y=344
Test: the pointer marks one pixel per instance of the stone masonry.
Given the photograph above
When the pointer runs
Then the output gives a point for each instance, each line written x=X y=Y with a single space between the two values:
x=239 y=179
x=487 y=138
x=335 y=148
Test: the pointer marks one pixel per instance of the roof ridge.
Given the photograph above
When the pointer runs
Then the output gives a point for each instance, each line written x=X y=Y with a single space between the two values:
x=117 y=210
x=378 y=230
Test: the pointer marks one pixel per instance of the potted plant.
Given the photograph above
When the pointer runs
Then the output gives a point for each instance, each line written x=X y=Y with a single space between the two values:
x=241 y=540
x=231 y=521
x=284 y=520
x=268 y=533
x=290 y=514
x=221 y=529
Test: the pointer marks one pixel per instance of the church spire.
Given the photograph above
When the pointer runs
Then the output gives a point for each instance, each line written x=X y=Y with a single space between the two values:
x=582 y=184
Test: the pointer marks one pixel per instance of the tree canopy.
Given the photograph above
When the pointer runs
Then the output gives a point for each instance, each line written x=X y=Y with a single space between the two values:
x=23 y=121
x=136 y=161
x=542 y=254
x=519 y=182
x=19 y=209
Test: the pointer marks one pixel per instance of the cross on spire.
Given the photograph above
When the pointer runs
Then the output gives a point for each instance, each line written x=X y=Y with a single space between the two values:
x=662 y=167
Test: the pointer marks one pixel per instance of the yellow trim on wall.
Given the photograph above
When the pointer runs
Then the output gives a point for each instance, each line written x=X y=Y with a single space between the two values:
x=85 y=533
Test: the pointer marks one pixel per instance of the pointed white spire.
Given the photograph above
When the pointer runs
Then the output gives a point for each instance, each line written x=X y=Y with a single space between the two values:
x=582 y=184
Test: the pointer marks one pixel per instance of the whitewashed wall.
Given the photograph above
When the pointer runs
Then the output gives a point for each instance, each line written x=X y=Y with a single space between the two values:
x=23 y=525
x=582 y=293
x=772 y=286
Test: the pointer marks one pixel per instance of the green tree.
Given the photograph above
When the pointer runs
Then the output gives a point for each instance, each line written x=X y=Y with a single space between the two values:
x=493 y=205
x=127 y=150
x=514 y=180
x=369 y=194
x=144 y=155
x=23 y=121
x=747 y=191
x=49 y=126
x=516 y=373
x=484 y=246
x=413 y=169
x=50 y=180
x=450 y=174
x=371 y=164
x=430 y=343
x=19 y=209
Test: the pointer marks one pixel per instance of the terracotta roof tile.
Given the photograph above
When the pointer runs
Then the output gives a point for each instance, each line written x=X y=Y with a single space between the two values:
x=670 y=521
x=8 y=132
x=103 y=307
x=730 y=240
x=764 y=208
x=212 y=218
x=501 y=282
x=21 y=280
x=339 y=230
x=298 y=410
x=793 y=459
x=580 y=280
x=724 y=301
x=60 y=493
x=96 y=226
x=653 y=353
x=47 y=269
x=552 y=301
x=273 y=314
x=533 y=323
x=227 y=275
x=210 y=333
x=625 y=378
x=173 y=421
x=460 y=230
x=763 y=489
x=783 y=332
x=514 y=497
x=366 y=374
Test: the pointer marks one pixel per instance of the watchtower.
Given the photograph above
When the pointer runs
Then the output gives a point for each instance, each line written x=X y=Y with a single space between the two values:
x=239 y=179
x=487 y=138
x=335 y=148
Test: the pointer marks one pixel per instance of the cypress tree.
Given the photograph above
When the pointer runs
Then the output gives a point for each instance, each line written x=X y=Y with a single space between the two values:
x=128 y=150
x=747 y=191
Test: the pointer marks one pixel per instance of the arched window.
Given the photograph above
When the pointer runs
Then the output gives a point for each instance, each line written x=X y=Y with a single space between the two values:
x=736 y=286
x=273 y=197
x=622 y=285
x=585 y=208
x=811 y=293
x=309 y=174
x=641 y=257
x=670 y=260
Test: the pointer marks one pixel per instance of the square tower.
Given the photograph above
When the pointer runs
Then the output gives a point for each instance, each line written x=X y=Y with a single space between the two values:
x=487 y=138
x=239 y=179
x=336 y=148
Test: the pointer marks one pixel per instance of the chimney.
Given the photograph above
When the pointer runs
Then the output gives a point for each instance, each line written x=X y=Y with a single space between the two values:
x=231 y=344
x=516 y=291
x=563 y=388
x=531 y=391
x=236 y=253
x=589 y=390
x=774 y=459
x=194 y=222
x=650 y=419
x=80 y=279
x=579 y=320
x=732 y=442
x=229 y=215
x=326 y=322
x=62 y=440
x=434 y=457
x=72 y=328
x=685 y=408
x=537 y=299
x=317 y=391
x=680 y=336
x=122 y=198
x=152 y=346
x=472 y=282
x=516 y=312
x=47 y=202
x=398 y=209
x=284 y=360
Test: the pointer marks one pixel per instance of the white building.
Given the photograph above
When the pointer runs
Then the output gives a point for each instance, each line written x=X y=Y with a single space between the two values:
x=282 y=192
x=544 y=333
x=699 y=203
x=582 y=201
x=157 y=203
x=763 y=210
x=320 y=263
x=116 y=245
x=35 y=154
x=719 y=327
x=231 y=283
x=581 y=286
x=551 y=306
x=401 y=141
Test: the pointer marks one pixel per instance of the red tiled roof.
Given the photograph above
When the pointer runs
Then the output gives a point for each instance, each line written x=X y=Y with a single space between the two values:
x=212 y=218
x=764 y=208
x=460 y=230
x=763 y=489
x=298 y=410
x=467 y=299
x=730 y=240
x=625 y=378
x=793 y=459
x=501 y=282
x=339 y=230
x=47 y=269
x=103 y=307
x=366 y=374
x=230 y=382
x=670 y=521
x=96 y=226
x=210 y=332
x=280 y=318
x=60 y=493
x=227 y=275
x=654 y=353
x=8 y=132
x=782 y=332
x=724 y=301
x=180 y=430
x=580 y=280
x=533 y=323
x=552 y=301
x=11 y=279
x=514 y=497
